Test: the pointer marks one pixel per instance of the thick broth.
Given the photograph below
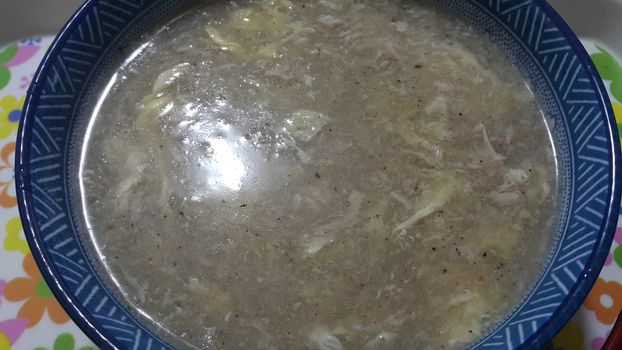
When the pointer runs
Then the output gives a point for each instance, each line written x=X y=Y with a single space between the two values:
x=331 y=174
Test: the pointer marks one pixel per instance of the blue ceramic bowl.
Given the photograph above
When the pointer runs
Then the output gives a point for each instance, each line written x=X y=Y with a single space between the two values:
x=549 y=56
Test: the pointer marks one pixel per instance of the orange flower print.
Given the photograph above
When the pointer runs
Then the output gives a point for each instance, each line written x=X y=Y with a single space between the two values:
x=605 y=300
x=38 y=296
x=7 y=189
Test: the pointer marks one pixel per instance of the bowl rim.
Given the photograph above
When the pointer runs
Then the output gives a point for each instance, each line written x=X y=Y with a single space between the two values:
x=76 y=312
x=93 y=330
x=576 y=297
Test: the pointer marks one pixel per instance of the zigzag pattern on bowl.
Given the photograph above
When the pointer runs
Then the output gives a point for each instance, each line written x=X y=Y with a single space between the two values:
x=576 y=109
x=579 y=116
x=72 y=68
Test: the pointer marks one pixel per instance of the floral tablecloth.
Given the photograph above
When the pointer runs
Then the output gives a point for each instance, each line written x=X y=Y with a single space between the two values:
x=30 y=317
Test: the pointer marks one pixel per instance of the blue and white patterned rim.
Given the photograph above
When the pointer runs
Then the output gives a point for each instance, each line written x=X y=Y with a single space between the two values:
x=529 y=31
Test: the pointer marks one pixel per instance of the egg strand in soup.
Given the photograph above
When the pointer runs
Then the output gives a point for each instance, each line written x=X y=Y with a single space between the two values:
x=328 y=174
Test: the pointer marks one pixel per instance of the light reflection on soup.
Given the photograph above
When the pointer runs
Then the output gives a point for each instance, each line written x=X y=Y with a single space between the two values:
x=331 y=174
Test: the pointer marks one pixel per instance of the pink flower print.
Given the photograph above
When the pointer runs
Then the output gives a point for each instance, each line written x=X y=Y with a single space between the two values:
x=609 y=259
x=598 y=342
x=13 y=329
x=24 y=81
x=618 y=236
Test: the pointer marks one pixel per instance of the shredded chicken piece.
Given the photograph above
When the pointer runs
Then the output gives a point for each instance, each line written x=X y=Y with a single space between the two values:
x=322 y=339
x=487 y=144
x=430 y=201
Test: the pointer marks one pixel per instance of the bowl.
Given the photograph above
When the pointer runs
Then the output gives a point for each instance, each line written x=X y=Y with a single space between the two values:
x=547 y=53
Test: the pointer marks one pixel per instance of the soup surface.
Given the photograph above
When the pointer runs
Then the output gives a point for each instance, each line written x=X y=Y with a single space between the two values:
x=330 y=174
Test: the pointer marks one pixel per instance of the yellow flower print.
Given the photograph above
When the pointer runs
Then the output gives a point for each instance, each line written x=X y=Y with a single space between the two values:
x=4 y=342
x=14 y=241
x=10 y=113
x=570 y=337
x=617 y=111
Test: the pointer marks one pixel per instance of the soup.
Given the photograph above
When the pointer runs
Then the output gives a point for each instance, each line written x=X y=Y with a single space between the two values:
x=330 y=174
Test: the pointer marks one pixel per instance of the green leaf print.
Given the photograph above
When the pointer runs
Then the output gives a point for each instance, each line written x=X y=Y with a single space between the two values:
x=609 y=69
x=65 y=341
x=8 y=53
x=5 y=76
x=5 y=56
x=617 y=254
